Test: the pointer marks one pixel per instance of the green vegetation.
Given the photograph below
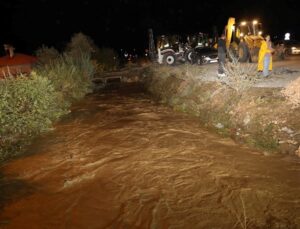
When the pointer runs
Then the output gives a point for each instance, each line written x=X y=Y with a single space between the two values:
x=264 y=138
x=29 y=105
x=233 y=108
x=46 y=55
x=70 y=76
x=107 y=59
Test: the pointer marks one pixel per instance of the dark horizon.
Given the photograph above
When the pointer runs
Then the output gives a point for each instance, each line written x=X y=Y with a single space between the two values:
x=124 y=23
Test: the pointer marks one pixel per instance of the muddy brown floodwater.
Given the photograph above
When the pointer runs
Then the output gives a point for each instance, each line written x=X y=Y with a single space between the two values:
x=121 y=161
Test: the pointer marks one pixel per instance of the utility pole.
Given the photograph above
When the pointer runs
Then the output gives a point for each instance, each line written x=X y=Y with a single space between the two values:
x=215 y=34
x=152 y=50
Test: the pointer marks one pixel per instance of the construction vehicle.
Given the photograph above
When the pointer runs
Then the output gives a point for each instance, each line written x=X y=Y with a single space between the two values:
x=171 y=50
x=194 y=43
x=199 y=40
x=201 y=49
x=244 y=39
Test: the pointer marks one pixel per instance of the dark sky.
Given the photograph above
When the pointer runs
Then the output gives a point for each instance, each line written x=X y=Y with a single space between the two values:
x=124 y=23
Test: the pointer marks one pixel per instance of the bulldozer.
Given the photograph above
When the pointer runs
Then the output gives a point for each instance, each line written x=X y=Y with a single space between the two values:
x=244 y=39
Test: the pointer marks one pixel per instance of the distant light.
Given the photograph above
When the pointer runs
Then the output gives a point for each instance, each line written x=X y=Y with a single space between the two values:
x=241 y=34
x=243 y=23
x=255 y=22
x=260 y=33
x=287 y=36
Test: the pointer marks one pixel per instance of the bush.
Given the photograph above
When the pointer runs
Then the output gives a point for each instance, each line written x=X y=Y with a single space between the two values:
x=239 y=76
x=28 y=106
x=107 y=58
x=79 y=45
x=47 y=55
x=104 y=59
x=70 y=76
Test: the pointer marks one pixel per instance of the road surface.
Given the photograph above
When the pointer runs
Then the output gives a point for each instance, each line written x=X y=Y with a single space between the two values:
x=283 y=73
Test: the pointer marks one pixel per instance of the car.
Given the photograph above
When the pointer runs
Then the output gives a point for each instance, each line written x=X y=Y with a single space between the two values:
x=205 y=55
x=291 y=47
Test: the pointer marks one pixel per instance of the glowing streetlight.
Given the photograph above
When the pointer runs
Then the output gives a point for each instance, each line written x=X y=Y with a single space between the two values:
x=287 y=36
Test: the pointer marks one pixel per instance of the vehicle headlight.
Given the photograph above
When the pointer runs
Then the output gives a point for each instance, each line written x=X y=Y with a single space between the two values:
x=166 y=45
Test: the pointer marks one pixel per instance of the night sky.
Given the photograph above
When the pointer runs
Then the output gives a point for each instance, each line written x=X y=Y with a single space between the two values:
x=124 y=23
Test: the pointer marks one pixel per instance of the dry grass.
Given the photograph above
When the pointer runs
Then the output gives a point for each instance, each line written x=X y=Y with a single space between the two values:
x=243 y=110
x=185 y=71
x=47 y=55
x=292 y=93
x=239 y=76
x=242 y=219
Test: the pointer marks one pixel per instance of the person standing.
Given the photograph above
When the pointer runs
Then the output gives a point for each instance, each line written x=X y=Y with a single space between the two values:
x=265 y=56
x=221 y=55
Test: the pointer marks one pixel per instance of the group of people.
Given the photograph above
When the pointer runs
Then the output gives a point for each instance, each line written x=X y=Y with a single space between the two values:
x=264 y=56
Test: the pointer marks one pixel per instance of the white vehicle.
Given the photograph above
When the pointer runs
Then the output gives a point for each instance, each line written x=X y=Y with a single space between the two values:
x=170 y=50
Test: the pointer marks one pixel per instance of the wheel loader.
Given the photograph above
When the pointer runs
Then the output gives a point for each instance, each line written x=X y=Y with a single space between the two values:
x=244 y=39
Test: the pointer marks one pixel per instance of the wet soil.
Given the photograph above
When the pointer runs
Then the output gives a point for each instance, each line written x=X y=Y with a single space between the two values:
x=120 y=160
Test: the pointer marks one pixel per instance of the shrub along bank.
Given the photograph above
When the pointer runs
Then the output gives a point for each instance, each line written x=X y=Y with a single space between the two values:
x=260 y=117
x=29 y=105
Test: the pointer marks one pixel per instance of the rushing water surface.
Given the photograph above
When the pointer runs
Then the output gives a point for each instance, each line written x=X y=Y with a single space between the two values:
x=120 y=160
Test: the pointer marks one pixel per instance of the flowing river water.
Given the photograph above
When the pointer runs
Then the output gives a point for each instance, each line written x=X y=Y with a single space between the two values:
x=120 y=160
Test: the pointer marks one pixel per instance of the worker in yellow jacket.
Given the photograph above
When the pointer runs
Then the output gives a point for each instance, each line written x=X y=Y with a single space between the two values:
x=265 y=57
